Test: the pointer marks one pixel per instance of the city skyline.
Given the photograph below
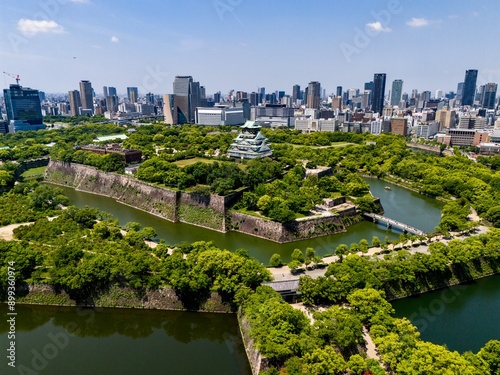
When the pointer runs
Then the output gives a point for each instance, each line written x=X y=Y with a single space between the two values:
x=244 y=45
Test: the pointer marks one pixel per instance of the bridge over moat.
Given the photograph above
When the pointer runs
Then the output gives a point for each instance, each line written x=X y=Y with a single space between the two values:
x=394 y=223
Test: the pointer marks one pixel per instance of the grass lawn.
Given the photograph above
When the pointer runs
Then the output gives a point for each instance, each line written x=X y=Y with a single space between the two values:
x=34 y=172
x=335 y=144
x=186 y=162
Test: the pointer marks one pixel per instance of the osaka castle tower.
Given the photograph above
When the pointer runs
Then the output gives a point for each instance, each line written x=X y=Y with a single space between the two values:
x=250 y=143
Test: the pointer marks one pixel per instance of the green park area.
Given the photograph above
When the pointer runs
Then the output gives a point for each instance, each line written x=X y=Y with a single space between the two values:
x=83 y=252
x=34 y=172
x=185 y=162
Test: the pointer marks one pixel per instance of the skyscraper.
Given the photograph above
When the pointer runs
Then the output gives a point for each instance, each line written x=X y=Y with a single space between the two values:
x=182 y=85
x=194 y=100
x=111 y=91
x=132 y=94
x=105 y=91
x=112 y=103
x=262 y=92
x=396 y=92
x=187 y=96
x=469 y=87
x=489 y=96
x=74 y=102
x=369 y=87
x=23 y=107
x=339 y=91
x=254 y=98
x=295 y=93
x=378 y=92
x=217 y=97
x=313 y=94
x=150 y=98
x=86 y=95
x=460 y=91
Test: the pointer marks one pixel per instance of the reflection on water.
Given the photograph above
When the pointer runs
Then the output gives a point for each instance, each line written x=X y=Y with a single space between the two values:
x=128 y=341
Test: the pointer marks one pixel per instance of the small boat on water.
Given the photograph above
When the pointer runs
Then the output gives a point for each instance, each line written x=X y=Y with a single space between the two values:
x=387 y=188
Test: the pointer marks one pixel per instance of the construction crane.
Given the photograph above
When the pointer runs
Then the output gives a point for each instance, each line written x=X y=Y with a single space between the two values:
x=15 y=76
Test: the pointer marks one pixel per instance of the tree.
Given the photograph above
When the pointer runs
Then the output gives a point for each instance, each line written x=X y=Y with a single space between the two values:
x=275 y=260
x=148 y=233
x=341 y=250
x=132 y=225
x=430 y=358
x=493 y=215
x=369 y=302
x=353 y=249
x=363 y=246
x=356 y=365
x=375 y=241
x=338 y=326
x=298 y=256
x=112 y=163
x=324 y=361
x=490 y=353
x=310 y=254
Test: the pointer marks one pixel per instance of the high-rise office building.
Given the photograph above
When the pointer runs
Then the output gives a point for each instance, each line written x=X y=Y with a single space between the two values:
x=469 y=90
x=489 y=96
x=313 y=95
x=217 y=96
x=23 y=107
x=111 y=91
x=112 y=103
x=187 y=96
x=425 y=96
x=378 y=92
x=262 y=92
x=194 y=100
x=460 y=92
x=339 y=91
x=132 y=94
x=150 y=98
x=182 y=86
x=86 y=95
x=396 y=92
x=369 y=87
x=74 y=102
x=105 y=91
x=254 y=99
x=295 y=93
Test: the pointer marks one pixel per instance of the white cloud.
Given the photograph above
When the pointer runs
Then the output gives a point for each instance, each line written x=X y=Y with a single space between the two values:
x=33 y=27
x=114 y=39
x=417 y=22
x=377 y=26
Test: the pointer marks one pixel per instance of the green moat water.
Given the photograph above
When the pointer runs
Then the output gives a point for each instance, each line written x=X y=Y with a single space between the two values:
x=400 y=204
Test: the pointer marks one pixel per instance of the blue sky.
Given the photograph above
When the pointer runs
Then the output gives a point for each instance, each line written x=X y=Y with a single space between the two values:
x=245 y=44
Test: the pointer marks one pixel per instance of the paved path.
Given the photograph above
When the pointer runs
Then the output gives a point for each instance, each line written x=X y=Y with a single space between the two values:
x=283 y=273
x=371 y=349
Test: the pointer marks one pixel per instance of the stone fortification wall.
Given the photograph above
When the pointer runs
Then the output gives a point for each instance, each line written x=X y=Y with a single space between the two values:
x=292 y=231
x=207 y=211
